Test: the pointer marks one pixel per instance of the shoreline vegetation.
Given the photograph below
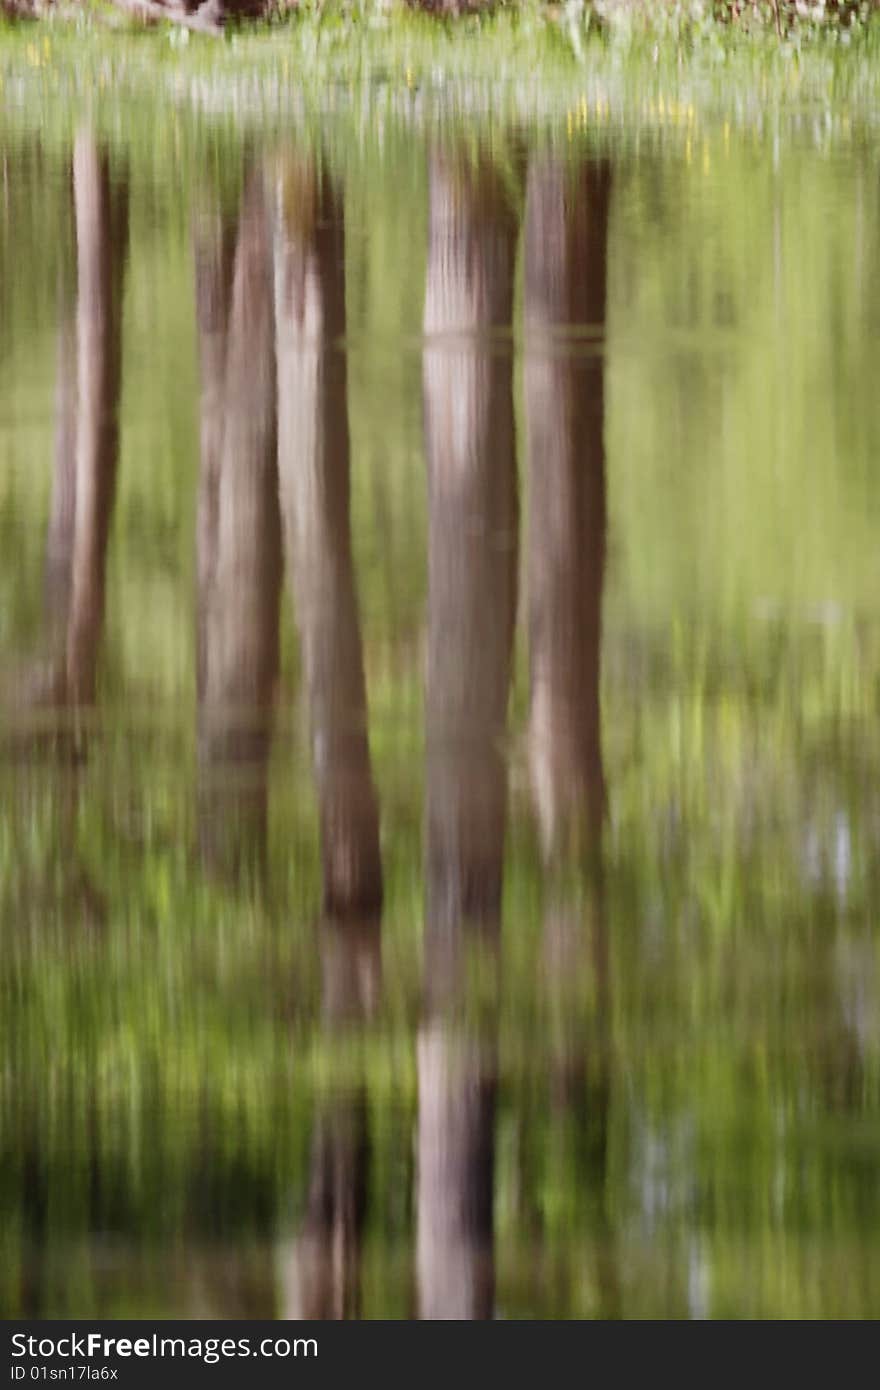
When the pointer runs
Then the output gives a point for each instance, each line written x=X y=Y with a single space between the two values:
x=604 y=70
x=673 y=21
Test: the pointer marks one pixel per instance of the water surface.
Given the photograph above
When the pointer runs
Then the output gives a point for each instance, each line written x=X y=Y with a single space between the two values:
x=440 y=654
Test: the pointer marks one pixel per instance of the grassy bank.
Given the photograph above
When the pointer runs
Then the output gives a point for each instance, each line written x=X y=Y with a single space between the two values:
x=666 y=18
x=531 y=64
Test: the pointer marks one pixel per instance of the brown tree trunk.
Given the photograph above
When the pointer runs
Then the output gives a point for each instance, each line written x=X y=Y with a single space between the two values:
x=101 y=240
x=63 y=679
x=313 y=456
x=86 y=446
x=473 y=518
x=214 y=237
x=321 y=1273
x=565 y=286
x=565 y=294
x=240 y=566
x=565 y=307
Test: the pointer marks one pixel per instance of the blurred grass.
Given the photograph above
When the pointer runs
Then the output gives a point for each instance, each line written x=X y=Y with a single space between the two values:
x=161 y=1052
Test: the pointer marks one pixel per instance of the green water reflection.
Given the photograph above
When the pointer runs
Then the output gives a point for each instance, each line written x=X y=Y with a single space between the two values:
x=440 y=632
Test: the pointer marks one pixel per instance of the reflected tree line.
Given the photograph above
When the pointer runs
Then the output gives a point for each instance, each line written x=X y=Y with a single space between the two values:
x=274 y=502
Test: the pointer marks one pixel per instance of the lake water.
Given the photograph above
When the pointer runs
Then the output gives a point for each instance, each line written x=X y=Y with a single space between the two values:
x=439 y=759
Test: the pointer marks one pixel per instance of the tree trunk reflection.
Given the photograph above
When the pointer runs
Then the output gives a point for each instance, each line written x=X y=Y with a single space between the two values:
x=313 y=457
x=86 y=447
x=565 y=297
x=101 y=237
x=239 y=563
x=214 y=237
x=472 y=498
x=321 y=1275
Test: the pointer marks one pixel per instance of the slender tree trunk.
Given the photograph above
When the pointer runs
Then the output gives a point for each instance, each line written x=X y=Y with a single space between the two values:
x=213 y=255
x=86 y=444
x=565 y=308
x=565 y=294
x=321 y=1272
x=313 y=456
x=240 y=567
x=101 y=239
x=473 y=518
x=472 y=498
x=456 y=1138
x=565 y=286
x=88 y=367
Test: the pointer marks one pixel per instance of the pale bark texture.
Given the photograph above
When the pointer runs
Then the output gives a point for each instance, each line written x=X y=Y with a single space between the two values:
x=101 y=236
x=473 y=520
x=456 y=1161
x=321 y=1273
x=86 y=449
x=472 y=540
x=240 y=563
x=313 y=457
